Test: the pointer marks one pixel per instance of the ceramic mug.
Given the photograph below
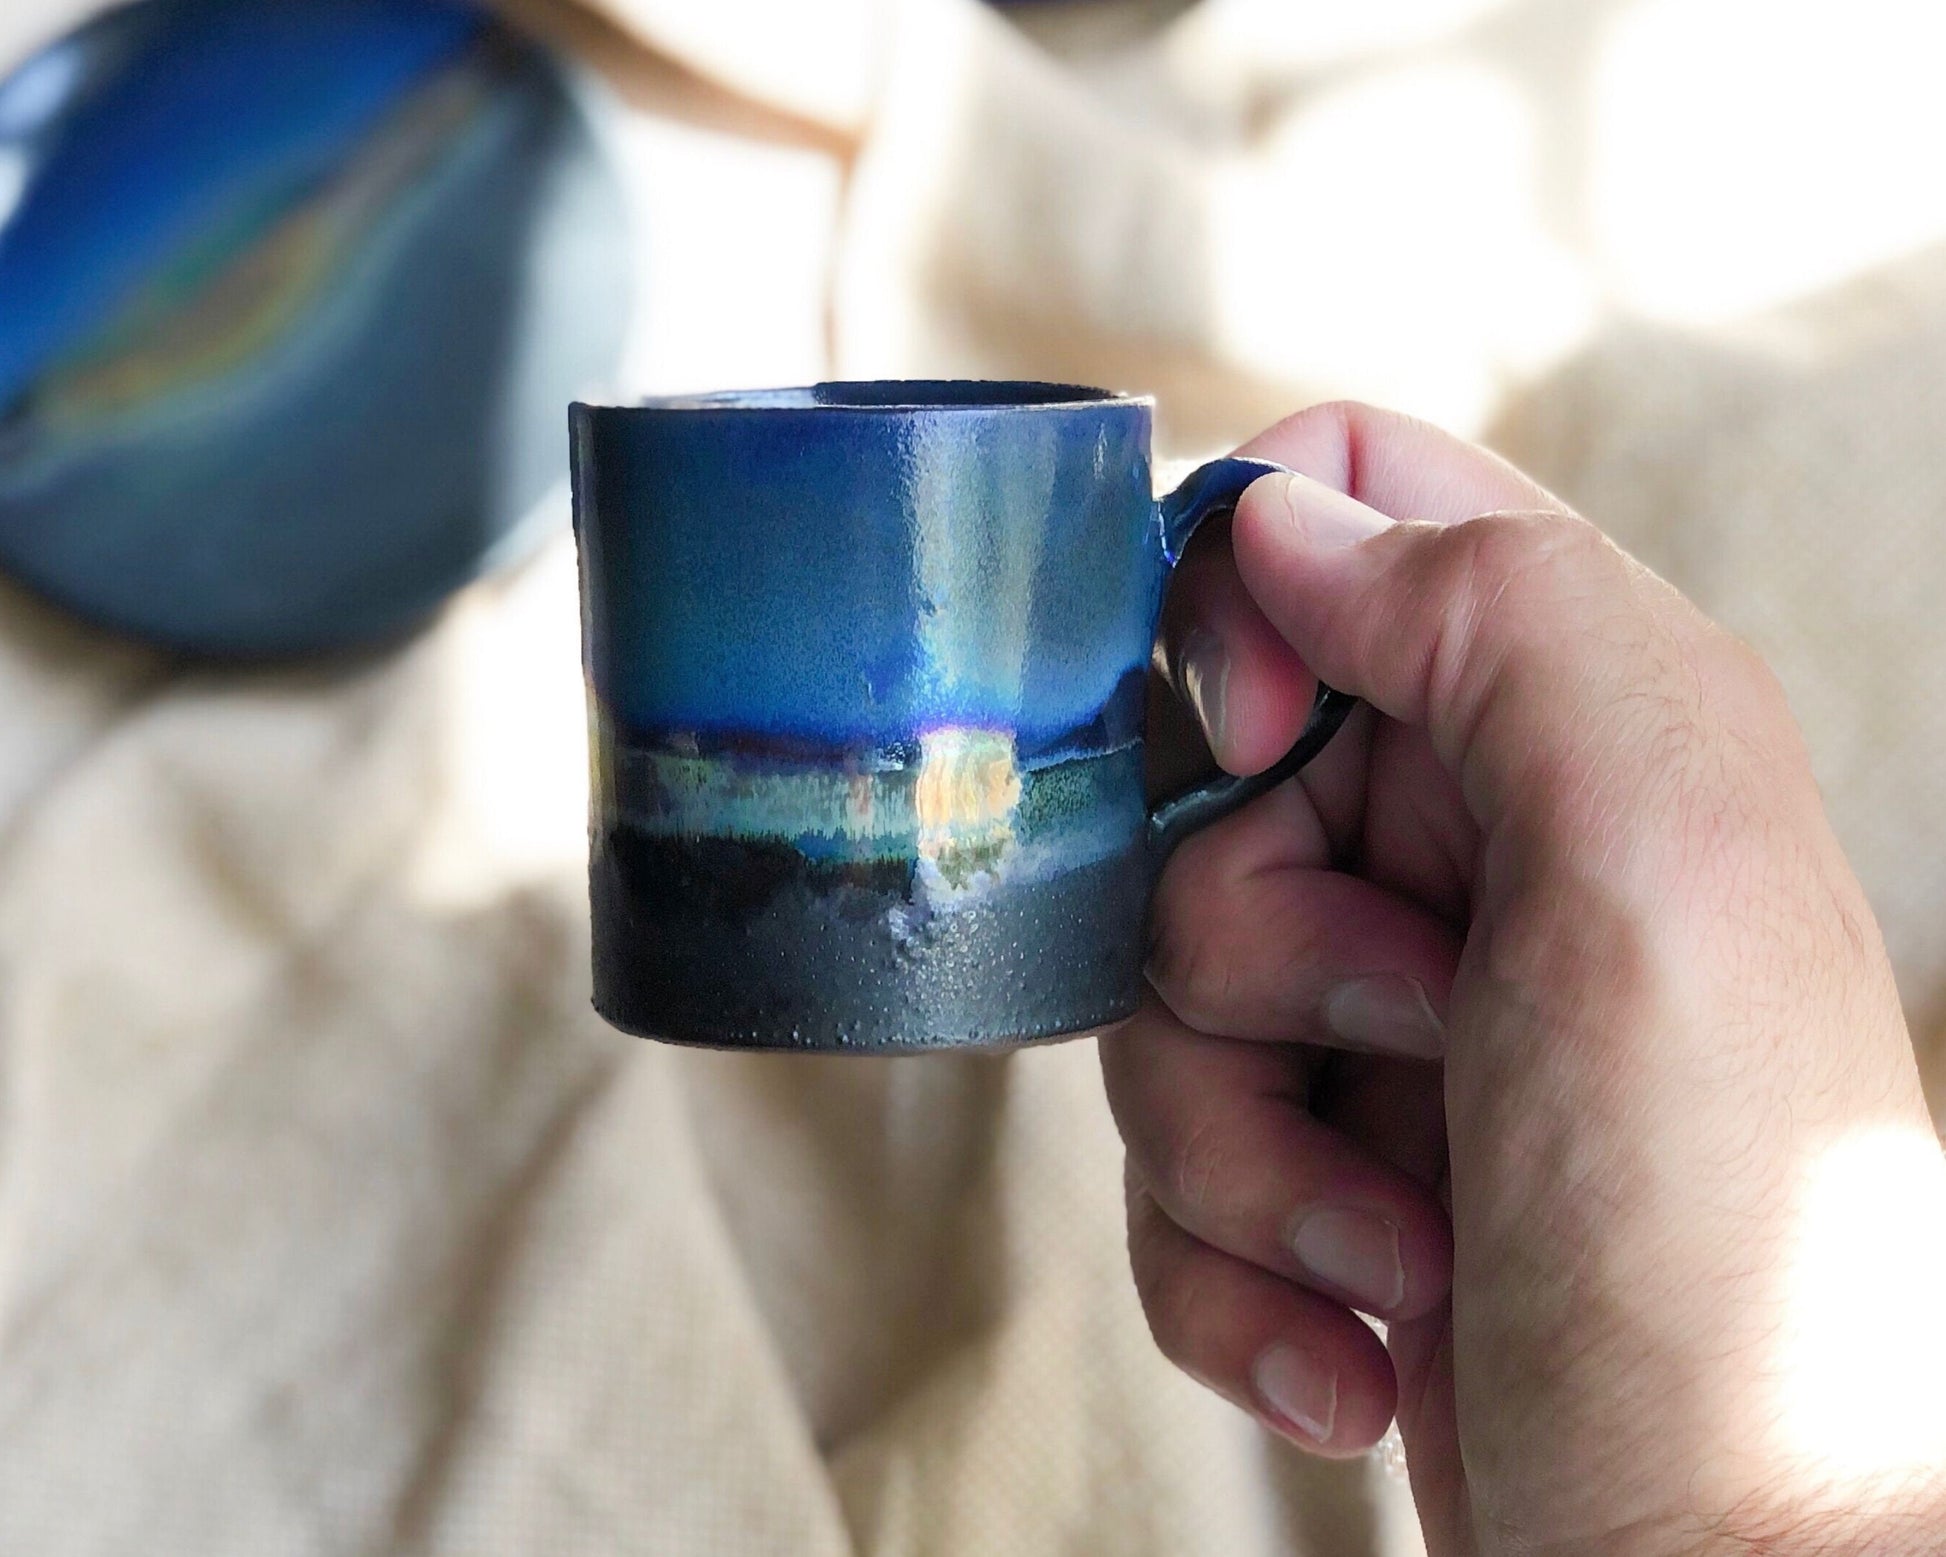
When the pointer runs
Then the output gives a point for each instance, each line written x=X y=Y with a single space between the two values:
x=866 y=675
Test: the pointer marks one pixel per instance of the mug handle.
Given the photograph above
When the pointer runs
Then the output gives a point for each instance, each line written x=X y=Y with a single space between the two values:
x=1209 y=490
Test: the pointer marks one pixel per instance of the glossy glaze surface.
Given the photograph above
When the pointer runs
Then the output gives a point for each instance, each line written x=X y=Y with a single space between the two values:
x=872 y=573
x=866 y=673
x=865 y=677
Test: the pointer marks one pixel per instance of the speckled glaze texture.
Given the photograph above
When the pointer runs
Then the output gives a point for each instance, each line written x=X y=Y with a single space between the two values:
x=865 y=667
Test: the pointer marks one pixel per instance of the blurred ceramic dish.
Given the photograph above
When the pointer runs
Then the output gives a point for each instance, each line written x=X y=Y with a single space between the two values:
x=292 y=296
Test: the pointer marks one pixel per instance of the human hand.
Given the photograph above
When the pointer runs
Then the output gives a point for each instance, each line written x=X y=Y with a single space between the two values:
x=1555 y=935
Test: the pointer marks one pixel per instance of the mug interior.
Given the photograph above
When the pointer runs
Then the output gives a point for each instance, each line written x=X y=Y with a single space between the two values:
x=898 y=395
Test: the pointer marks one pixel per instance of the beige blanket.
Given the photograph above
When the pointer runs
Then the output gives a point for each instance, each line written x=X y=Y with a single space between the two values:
x=331 y=1221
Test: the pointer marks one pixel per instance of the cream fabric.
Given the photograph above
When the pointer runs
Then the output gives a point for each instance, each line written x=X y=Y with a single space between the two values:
x=331 y=1221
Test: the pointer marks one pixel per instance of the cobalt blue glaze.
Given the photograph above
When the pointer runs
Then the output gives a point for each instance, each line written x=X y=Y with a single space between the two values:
x=937 y=586
x=291 y=292
x=866 y=667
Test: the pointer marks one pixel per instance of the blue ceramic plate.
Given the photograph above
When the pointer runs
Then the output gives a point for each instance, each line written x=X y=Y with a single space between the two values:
x=292 y=296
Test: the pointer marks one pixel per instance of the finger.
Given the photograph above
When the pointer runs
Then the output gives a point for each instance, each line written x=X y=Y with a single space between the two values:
x=1304 y=1366
x=1424 y=843
x=1494 y=635
x=1394 y=1109
x=1406 y=469
x=1251 y=938
x=1397 y=464
x=1338 y=783
x=1249 y=690
x=1422 y=1362
x=1222 y=1140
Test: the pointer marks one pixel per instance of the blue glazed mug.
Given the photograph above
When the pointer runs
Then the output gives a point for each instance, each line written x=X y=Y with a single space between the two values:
x=866 y=683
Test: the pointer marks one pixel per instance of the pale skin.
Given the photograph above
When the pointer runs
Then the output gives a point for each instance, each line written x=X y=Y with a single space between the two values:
x=1538 y=1019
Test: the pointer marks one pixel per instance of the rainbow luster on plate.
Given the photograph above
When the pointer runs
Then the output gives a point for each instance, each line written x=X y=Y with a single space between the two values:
x=292 y=295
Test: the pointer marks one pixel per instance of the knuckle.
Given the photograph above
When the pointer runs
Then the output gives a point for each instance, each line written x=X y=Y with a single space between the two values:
x=1170 y=1282
x=1175 y=1319
x=1196 y=979
x=1197 y=1162
x=1758 y=692
x=1149 y=1256
x=1342 y=418
x=1187 y=963
x=1716 y=731
x=1506 y=587
x=1526 y=554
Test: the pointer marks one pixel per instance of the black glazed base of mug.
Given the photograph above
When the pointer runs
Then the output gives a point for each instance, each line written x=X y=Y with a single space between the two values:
x=731 y=943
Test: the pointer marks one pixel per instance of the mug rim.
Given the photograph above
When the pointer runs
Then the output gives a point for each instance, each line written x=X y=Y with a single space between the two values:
x=931 y=396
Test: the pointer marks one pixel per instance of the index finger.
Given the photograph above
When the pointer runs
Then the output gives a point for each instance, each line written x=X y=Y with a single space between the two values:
x=1403 y=467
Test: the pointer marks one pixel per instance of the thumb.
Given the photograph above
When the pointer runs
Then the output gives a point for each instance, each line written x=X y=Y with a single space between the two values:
x=1532 y=651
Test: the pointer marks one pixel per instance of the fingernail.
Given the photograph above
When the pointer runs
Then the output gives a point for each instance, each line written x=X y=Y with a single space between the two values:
x=1354 y=1251
x=1387 y=1012
x=1325 y=517
x=1206 y=683
x=1299 y=1389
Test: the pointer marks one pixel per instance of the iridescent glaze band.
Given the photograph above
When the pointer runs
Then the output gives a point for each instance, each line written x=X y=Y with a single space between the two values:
x=865 y=667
